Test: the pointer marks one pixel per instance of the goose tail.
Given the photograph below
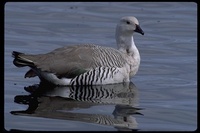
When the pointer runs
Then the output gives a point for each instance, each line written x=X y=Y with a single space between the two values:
x=20 y=59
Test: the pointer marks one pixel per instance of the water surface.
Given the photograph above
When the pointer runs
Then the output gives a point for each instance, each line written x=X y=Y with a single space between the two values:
x=165 y=87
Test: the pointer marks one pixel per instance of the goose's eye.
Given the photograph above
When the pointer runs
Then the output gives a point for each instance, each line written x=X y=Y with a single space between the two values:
x=127 y=22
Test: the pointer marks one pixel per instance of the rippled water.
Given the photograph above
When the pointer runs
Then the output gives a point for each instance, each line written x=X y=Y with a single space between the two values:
x=161 y=97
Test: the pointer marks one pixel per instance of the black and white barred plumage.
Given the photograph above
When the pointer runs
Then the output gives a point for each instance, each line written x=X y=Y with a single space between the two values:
x=99 y=75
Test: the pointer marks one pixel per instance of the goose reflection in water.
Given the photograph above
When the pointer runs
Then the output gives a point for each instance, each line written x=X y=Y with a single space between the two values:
x=65 y=103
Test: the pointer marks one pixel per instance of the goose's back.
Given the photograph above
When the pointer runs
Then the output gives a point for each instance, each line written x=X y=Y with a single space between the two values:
x=77 y=59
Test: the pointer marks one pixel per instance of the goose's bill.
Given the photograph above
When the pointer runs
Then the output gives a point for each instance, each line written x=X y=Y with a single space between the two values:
x=139 y=30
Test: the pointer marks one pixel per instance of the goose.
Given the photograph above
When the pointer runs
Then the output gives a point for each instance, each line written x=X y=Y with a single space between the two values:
x=87 y=64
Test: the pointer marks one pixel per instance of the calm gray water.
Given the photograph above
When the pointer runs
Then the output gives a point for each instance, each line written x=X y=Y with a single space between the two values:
x=161 y=97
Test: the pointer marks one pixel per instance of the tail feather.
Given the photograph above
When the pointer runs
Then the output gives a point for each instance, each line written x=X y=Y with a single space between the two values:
x=21 y=61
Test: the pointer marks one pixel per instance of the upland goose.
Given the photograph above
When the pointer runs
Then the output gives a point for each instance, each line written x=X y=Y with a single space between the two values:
x=87 y=64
